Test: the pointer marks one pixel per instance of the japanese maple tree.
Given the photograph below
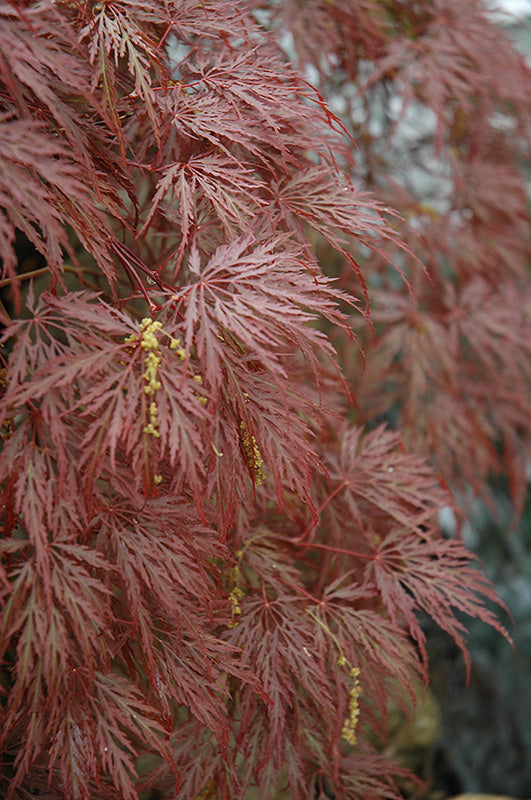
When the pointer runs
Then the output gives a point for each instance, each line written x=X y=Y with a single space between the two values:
x=220 y=495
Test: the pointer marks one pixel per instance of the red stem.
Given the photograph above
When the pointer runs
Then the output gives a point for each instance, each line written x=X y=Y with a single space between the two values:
x=330 y=497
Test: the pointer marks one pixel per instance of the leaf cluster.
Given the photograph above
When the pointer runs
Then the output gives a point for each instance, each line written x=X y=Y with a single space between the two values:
x=437 y=99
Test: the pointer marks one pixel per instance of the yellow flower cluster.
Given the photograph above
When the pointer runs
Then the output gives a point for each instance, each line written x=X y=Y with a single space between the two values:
x=253 y=455
x=235 y=595
x=348 y=732
x=149 y=343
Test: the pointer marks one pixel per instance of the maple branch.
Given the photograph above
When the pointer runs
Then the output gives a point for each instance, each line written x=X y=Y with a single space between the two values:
x=327 y=630
x=4 y=314
x=300 y=589
x=342 y=550
x=311 y=527
x=36 y=273
x=131 y=263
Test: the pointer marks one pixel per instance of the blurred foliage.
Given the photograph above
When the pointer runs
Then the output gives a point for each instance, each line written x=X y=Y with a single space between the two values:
x=486 y=740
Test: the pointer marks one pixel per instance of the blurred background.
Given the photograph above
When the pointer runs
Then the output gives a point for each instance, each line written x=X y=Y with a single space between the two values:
x=476 y=738
x=447 y=143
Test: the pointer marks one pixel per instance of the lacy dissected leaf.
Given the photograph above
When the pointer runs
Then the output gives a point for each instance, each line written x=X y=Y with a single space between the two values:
x=247 y=316
x=50 y=172
x=162 y=554
x=446 y=48
x=32 y=166
x=260 y=431
x=279 y=638
x=367 y=775
x=52 y=624
x=449 y=131
x=230 y=189
x=324 y=31
x=385 y=536
x=435 y=369
x=126 y=31
x=277 y=643
x=52 y=629
x=427 y=573
x=346 y=626
x=264 y=554
x=115 y=389
x=204 y=769
x=259 y=297
x=245 y=98
x=335 y=208
x=90 y=742
x=384 y=482
x=168 y=601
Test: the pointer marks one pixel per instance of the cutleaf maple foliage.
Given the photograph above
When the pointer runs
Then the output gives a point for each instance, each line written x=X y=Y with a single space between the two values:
x=216 y=552
x=436 y=98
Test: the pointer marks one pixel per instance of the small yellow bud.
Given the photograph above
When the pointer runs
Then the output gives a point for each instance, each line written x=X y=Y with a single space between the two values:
x=152 y=430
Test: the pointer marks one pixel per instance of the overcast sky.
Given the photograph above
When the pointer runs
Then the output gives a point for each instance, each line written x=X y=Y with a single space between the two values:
x=519 y=7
